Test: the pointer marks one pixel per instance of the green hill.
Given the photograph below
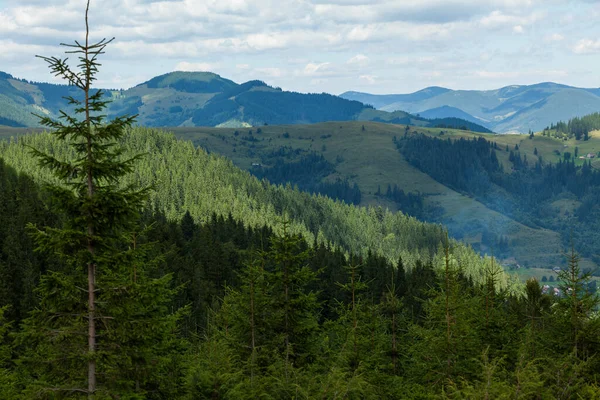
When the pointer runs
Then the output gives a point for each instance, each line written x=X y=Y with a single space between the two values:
x=368 y=158
x=190 y=179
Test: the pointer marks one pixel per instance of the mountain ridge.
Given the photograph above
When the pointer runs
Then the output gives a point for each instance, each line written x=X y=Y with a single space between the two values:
x=183 y=98
x=513 y=108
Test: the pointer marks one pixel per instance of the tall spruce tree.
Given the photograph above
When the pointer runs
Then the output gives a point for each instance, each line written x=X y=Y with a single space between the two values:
x=103 y=328
x=575 y=315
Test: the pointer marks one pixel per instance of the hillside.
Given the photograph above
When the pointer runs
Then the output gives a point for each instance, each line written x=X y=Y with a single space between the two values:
x=214 y=185
x=227 y=288
x=368 y=159
x=448 y=112
x=511 y=108
x=198 y=99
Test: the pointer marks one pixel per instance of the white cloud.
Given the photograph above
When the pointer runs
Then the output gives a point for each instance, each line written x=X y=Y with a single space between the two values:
x=198 y=66
x=359 y=60
x=312 y=69
x=391 y=44
x=587 y=46
x=370 y=79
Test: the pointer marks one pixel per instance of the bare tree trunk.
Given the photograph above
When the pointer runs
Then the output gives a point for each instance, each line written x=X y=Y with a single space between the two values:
x=252 y=331
x=90 y=230
x=354 y=319
x=394 y=347
x=448 y=316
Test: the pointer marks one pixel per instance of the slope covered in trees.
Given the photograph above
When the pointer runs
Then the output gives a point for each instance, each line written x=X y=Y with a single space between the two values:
x=188 y=179
x=201 y=99
x=366 y=328
x=527 y=192
x=579 y=128
x=362 y=327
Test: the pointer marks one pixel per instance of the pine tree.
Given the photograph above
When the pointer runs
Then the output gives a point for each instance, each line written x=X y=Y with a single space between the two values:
x=444 y=346
x=7 y=375
x=576 y=308
x=297 y=305
x=536 y=305
x=103 y=327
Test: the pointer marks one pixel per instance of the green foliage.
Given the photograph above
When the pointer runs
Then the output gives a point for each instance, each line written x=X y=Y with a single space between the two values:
x=526 y=194
x=575 y=314
x=8 y=378
x=212 y=184
x=20 y=204
x=578 y=127
x=500 y=343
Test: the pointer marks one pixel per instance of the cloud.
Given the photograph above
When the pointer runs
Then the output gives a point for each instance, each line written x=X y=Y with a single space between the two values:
x=312 y=69
x=382 y=44
x=370 y=79
x=359 y=60
x=199 y=66
x=587 y=46
x=498 y=19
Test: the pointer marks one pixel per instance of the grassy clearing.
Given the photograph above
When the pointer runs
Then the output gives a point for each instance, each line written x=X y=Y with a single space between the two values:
x=539 y=273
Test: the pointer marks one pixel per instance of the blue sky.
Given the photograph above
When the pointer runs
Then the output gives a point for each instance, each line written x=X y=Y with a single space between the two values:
x=376 y=46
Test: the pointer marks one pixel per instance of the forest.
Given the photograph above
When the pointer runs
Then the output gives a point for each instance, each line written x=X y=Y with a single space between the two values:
x=526 y=192
x=272 y=106
x=221 y=310
x=308 y=173
x=578 y=127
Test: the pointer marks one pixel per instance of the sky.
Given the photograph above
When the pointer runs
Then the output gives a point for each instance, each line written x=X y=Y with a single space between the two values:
x=375 y=46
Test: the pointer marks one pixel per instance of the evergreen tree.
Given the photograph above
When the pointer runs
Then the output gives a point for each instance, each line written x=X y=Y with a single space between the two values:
x=103 y=327
x=295 y=306
x=7 y=375
x=536 y=307
x=575 y=311
x=444 y=345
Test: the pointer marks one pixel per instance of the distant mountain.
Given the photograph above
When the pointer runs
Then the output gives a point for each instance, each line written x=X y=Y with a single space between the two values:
x=511 y=108
x=380 y=101
x=201 y=99
x=448 y=112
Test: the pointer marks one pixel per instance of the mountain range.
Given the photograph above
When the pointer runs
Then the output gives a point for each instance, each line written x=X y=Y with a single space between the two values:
x=509 y=109
x=203 y=99
x=207 y=99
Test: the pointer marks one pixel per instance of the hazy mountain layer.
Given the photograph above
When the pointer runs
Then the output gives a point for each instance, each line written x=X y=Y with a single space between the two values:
x=509 y=109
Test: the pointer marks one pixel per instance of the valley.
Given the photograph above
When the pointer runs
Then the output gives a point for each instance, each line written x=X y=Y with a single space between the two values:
x=369 y=159
x=363 y=153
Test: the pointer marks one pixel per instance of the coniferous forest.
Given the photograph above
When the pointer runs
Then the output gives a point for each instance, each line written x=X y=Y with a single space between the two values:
x=135 y=266
x=526 y=193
